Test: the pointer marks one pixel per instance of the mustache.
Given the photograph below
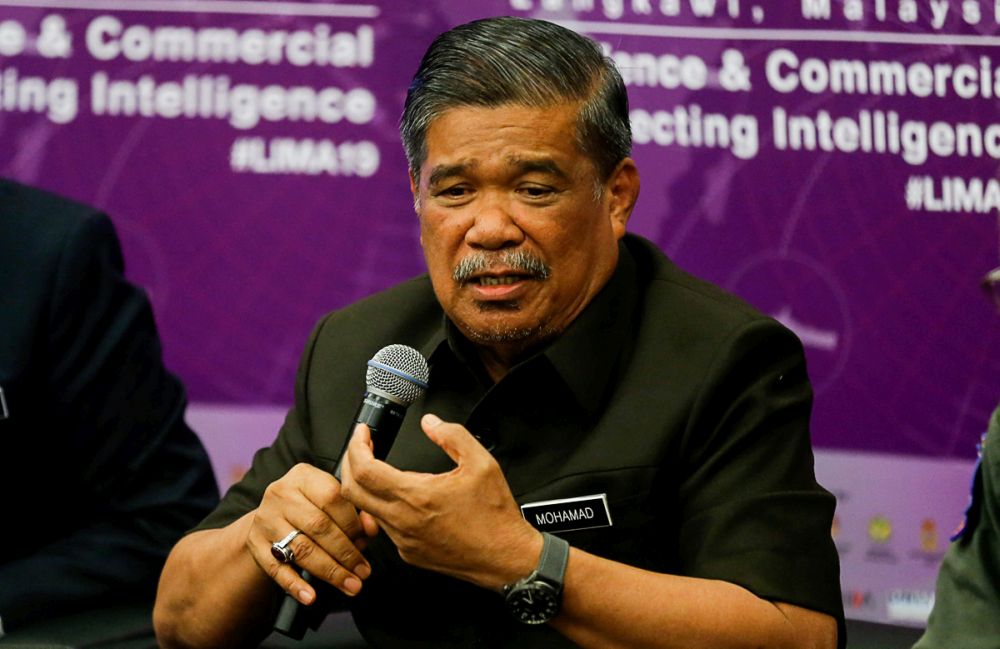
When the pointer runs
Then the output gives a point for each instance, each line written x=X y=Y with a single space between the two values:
x=520 y=261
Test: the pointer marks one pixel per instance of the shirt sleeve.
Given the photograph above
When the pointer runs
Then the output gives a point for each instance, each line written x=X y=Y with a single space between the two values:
x=752 y=512
x=967 y=599
x=127 y=475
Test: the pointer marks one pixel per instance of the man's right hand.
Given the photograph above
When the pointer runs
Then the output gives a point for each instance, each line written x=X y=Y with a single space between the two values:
x=216 y=590
x=332 y=537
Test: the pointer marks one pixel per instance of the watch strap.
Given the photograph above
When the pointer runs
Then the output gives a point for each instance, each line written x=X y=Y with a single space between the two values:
x=555 y=556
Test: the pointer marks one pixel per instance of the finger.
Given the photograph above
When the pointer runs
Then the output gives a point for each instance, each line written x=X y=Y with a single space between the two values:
x=361 y=468
x=341 y=513
x=284 y=574
x=364 y=433
x=336 y=559
x=309 y=556
x=315 y=506
x=366 y=481
x=304 y=489
x=291 y=581
x=338 y=515
x=309 y=500
x=361 y=444
x=454 y=439
x=370 y=524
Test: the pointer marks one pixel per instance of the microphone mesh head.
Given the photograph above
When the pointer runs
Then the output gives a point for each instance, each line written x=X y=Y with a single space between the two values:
x=398 y=371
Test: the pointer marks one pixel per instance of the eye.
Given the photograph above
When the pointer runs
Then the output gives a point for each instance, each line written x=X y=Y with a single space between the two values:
x=536 y=192
x=453 y=193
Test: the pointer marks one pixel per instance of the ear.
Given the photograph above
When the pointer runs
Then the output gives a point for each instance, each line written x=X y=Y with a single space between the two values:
x=622 y=190
x=414 y=186
x=414 y=191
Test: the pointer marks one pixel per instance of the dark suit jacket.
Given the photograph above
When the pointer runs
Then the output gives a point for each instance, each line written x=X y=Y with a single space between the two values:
x=99 y=474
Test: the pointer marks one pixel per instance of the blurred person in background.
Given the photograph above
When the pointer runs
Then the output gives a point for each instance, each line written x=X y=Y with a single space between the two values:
x=99 y=473
x=966 y=611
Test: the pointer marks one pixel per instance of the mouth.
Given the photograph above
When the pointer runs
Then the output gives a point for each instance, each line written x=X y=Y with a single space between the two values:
x=499 y=287
x=493 y=280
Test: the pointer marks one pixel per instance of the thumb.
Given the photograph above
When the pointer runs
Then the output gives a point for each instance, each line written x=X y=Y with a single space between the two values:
x=362 y=437
x=369 y=524
x=454 y=439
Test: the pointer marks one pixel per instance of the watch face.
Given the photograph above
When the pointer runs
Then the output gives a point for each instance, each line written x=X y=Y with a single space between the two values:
x=536 y=602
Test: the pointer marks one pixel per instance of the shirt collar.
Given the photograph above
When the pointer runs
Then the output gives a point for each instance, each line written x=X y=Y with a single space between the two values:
x=585 y=355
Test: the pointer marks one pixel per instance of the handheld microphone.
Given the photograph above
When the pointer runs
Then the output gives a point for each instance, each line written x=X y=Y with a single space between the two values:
x=396 y=377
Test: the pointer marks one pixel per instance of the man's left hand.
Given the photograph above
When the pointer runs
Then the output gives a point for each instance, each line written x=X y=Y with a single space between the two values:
x=464 y=523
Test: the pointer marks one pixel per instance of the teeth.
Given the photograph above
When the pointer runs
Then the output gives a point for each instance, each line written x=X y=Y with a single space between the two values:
x=496 y=281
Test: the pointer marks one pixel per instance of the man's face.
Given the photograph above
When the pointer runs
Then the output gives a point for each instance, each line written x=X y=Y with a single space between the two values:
x=512 y=180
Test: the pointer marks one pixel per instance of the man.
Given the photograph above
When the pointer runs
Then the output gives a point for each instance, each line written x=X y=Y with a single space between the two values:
x=569 y=363
x=99 y=473
x=967 y=600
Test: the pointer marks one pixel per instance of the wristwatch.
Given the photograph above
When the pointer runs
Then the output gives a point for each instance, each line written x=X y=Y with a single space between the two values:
x=536 y=598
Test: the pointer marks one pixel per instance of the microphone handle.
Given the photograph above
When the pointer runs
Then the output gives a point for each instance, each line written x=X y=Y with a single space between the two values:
x=384 y=417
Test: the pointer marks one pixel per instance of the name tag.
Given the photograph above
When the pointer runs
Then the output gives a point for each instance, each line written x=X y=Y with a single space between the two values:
x=568 y=514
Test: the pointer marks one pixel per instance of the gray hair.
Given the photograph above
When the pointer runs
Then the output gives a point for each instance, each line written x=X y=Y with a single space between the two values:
x=498 y=61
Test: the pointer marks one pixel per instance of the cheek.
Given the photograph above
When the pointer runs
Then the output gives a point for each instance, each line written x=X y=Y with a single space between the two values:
x=430 y=235
x=440 y=247
x=438 y=264
x=439 y=270
x=441 y=228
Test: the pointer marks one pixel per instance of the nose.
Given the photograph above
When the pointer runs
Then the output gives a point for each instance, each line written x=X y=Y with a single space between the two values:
x=494 y=226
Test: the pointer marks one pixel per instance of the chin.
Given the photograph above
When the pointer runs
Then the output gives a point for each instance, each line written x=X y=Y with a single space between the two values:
x=486 y=333
x=500 y=335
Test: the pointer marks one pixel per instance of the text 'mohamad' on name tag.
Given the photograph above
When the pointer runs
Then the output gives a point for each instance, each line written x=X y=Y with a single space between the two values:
x=568 y=514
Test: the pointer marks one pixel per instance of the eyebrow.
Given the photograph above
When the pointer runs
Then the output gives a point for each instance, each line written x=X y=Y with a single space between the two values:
x=441 y=172
x=522 y=165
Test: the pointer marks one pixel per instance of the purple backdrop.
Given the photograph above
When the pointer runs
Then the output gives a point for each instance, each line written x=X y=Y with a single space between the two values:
x=242 y=253
x=243 y=244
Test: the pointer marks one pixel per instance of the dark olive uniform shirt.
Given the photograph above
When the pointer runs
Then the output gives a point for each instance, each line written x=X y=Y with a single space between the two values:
x=966 y=611
x=681 y=405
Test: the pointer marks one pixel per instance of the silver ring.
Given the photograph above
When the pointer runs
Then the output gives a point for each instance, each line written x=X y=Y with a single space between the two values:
x=280 y=549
